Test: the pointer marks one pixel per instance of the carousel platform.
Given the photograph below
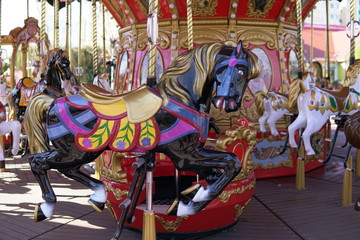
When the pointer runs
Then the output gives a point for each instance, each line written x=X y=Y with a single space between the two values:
x=277 y=211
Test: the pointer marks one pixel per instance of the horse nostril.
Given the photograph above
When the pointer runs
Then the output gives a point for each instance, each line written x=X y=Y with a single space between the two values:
x=231 y=85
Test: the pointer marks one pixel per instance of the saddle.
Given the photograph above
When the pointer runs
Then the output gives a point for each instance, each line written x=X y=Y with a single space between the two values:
x=339 y=95
x=28 y=88
x=283 y=94
x=141 y=104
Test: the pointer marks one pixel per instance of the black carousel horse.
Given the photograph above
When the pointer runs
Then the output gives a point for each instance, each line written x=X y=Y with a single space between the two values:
x=55 y=75
x=171 y=118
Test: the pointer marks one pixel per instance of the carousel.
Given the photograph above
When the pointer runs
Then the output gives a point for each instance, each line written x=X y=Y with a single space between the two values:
x=203 y=100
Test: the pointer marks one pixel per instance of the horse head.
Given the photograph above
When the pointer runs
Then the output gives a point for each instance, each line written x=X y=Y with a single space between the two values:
x=232 y=74
x=62 y=64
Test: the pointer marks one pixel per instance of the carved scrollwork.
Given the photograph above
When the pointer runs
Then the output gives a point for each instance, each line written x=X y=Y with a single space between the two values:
x=239 y=210
x=204 y=35
x=171 y=226
x=258 y=37
x=259 y=8
x=290 y=40
x=204 y=8
x=118 y=193
x=225 y=195
x=239 y=132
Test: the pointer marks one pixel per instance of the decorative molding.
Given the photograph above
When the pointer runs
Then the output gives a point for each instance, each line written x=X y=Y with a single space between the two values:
x=204 y=35
x=225 y=195
x=239 y=210
x=239 y=132
x=258 y=37
x=259 y=8
x=290 y=40
x=171 y=226
x=118 y=193
x=204 y=8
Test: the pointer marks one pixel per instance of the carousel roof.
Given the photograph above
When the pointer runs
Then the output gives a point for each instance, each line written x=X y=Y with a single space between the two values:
x=127 y=12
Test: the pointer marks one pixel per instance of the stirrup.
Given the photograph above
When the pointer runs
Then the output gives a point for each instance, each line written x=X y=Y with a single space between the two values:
x=191 y=191
x=98 y=206
x=172 y=210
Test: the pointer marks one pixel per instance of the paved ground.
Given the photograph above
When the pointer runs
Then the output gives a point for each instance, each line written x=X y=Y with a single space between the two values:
x=277 y=211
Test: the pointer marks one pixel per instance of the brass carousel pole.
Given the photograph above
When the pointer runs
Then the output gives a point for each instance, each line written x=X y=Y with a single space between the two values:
x=67 y=27
x=300 y=169
x=149 y=229
x=312 y=40
x=327 y=53
x=104 y=39
x=56 y=23
x=78 y=68
x=94 y=29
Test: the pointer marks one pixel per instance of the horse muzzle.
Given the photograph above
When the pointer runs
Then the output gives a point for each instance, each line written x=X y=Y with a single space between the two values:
x=229 y=105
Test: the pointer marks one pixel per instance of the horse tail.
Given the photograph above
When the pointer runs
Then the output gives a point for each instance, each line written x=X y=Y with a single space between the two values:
x=259 y=102
x=296 y=88
x=34 y=116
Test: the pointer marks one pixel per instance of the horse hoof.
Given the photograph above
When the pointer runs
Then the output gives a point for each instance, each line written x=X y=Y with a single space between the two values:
x=191 y=208
x=357 y=205
x=98 y=206
x=191 y=191
x=38 y=214
x=172 y=210
x=201 y=195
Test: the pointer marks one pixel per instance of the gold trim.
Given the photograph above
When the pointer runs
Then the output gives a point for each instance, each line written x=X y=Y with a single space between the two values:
x=172 y=206
x=253 y=12
x=190 y=189
x=225 y=195
x=111 y=210
x=171 y=226
x=204 y=8
x=118 y=193
x=240 y=209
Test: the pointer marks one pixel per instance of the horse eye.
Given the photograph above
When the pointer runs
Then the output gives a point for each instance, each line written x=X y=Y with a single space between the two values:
x=241 y=72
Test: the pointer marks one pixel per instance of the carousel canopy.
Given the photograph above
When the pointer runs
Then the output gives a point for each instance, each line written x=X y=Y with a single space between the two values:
x=127 y=12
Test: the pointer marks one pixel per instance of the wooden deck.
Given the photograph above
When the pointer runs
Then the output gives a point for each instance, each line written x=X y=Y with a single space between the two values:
x=277 y=211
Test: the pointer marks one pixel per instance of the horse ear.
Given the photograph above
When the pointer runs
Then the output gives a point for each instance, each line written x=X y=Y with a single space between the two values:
x=239 y=48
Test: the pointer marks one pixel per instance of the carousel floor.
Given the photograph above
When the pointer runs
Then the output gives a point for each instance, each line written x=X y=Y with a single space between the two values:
x=277 y=211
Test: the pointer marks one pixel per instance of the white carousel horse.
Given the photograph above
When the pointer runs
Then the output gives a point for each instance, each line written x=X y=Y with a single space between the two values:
x=273 y=105
x=317 y=105
x=103 y=81
x=3 y=92
x=7 y=127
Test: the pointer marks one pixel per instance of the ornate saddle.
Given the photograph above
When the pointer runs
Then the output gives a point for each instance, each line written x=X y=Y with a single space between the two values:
x=28 y=88
x=141 y=104
x=339 y=95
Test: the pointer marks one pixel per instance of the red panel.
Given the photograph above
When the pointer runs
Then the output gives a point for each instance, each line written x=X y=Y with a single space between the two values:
x=165 y=9
x=181 y=6
x=114 y=13
x=138 y=13
x=273 y=12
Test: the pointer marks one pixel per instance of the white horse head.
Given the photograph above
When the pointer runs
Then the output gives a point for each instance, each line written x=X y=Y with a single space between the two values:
x=103 y=81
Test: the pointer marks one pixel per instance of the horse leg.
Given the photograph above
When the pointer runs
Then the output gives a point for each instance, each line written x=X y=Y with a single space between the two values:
x=300 y=122
x=262 y=121
x=313 y=126
x=272 y=122
x=39 y=167
x=206 y=162
x=98 y=198
x=16 y=131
